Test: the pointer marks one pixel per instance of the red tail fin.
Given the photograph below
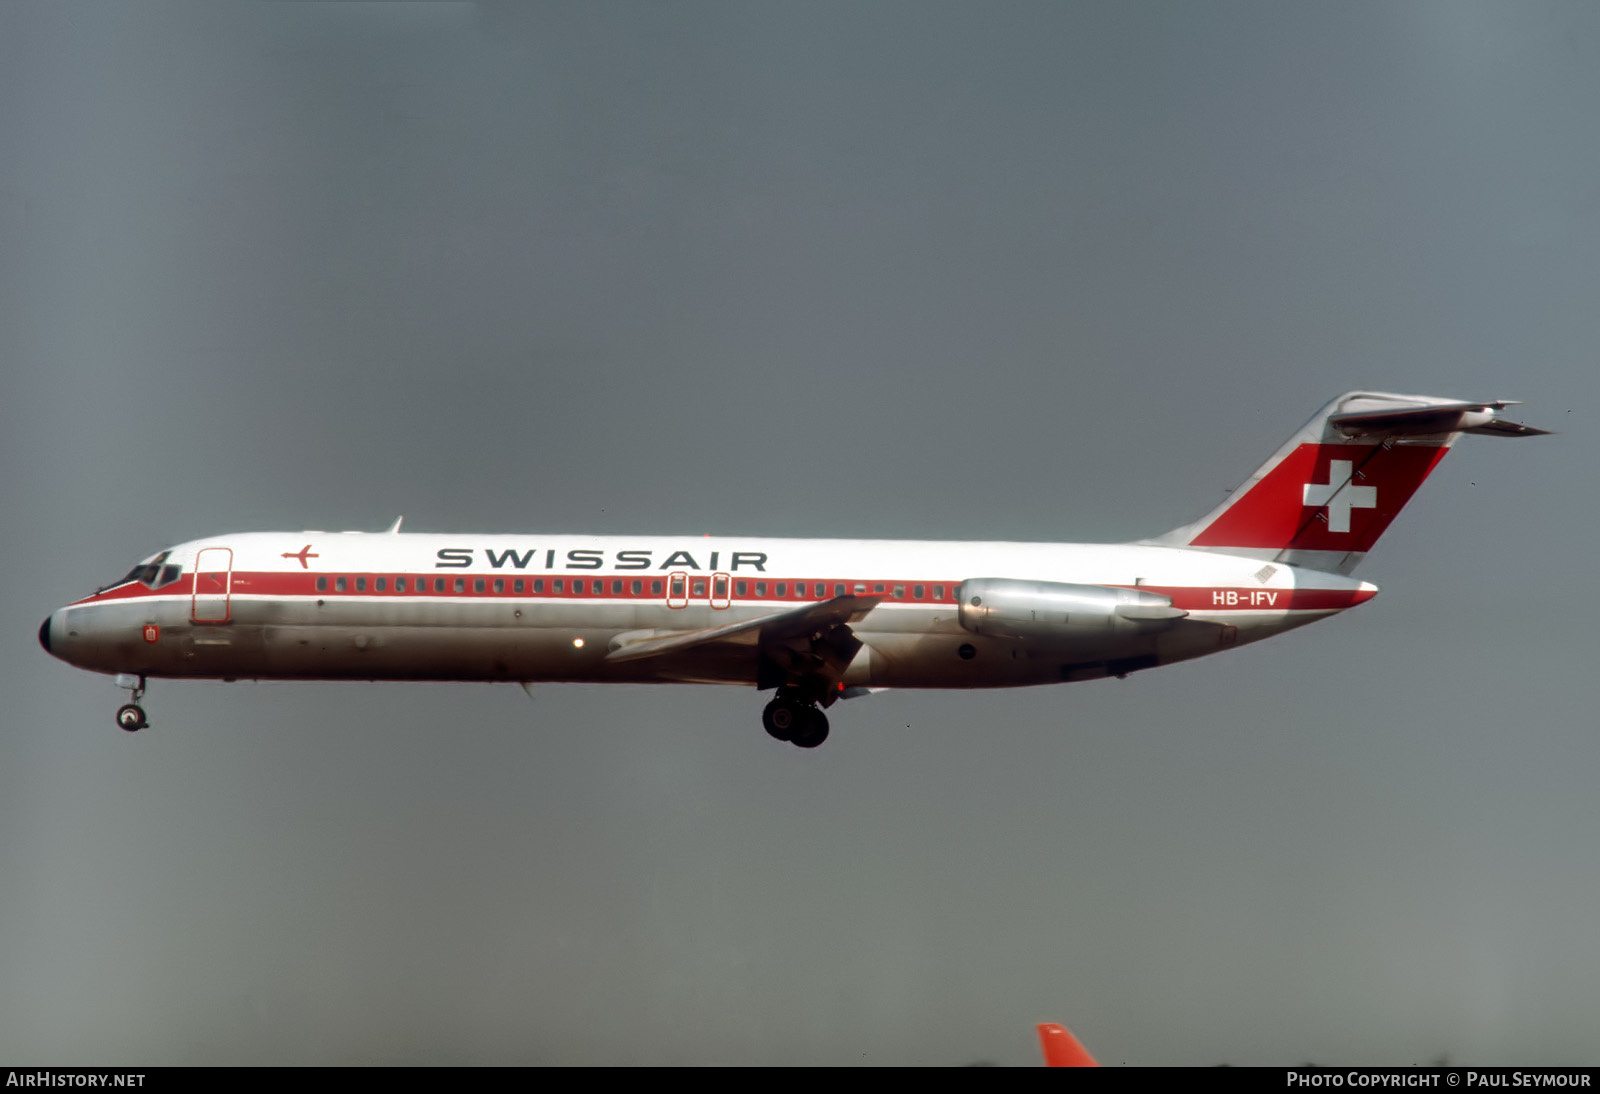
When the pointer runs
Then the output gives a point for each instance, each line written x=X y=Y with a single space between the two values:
x=1061 y=1048
x=1328 y=494
x=1324 y=497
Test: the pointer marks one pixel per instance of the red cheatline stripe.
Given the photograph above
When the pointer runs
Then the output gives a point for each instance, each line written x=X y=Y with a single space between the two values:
x=271 y=583
x=1206 y=599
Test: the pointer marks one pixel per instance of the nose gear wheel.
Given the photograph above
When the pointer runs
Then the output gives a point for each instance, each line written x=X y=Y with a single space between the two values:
x=131 y=716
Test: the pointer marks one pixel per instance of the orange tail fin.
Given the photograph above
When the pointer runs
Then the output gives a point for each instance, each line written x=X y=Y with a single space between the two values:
x=1061 y=1048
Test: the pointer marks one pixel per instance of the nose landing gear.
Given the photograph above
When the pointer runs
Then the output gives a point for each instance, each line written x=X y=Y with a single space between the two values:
x=130 y=716
x=796 y=720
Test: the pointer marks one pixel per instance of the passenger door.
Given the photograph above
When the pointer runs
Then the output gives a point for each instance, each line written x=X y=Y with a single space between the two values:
x=213 y=586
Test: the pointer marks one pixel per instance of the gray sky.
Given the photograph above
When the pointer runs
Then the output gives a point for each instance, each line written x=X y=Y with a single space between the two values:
x=1022 y=271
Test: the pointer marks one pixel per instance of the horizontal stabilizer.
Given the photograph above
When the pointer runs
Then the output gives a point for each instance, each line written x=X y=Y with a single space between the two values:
x=1431 y=420
x=1500 y=427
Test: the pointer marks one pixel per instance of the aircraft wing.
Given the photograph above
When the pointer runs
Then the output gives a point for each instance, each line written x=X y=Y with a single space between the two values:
x=767 y=631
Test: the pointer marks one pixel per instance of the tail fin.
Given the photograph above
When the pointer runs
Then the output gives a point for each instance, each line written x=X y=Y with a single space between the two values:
x=1326 y=496
x=1061 y=1048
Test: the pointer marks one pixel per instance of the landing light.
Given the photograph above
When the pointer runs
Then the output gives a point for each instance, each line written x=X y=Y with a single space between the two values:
x=577 y=643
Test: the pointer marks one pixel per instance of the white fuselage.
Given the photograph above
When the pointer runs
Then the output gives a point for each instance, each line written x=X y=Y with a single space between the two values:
x=311 y=605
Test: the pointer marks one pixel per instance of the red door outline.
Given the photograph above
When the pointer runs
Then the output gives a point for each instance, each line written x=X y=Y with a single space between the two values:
x=212 y=599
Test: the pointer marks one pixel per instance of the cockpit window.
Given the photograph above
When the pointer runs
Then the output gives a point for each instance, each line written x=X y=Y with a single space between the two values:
x=151 y=573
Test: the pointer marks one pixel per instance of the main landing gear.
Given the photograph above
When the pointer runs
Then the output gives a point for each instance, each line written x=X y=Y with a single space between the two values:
x=792 y=718
x=130 y=716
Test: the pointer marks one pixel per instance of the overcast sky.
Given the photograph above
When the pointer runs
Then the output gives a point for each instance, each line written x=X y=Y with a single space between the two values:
x=1053 y=271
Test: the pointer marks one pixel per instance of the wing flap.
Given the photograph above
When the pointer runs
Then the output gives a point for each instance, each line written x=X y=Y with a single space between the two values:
x=761 y=631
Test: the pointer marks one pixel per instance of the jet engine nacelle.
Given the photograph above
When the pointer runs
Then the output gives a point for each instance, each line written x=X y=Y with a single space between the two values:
x=1001 y=607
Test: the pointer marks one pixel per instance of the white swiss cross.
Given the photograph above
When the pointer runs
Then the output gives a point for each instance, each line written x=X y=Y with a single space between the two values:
x=1339 y=497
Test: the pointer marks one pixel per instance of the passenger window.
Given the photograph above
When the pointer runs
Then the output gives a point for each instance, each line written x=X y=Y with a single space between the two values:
x=677 y=587
x=719 y=587
x=438 y=584
x=916 y=592
x=899 y=592
x=699 y=586
x=322 y=584
x=761 y=588
x=860 y=588
x=838 y=588
x=477 y=585
x=559 y=585
x=782 y=590
x=938 y=592
x=655 y=587
x=577 y=586
x=878 y=588
x=361 y=584
x=739 y=588
x=499 y=584
x=616 y=585
x=461 y=584
x=538 y=584
x=820 y=591
x=517 y=586
x=381 y=584
x=638 y=586
x=399 y=584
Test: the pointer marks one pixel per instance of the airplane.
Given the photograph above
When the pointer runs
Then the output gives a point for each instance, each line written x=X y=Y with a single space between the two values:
x=813 y=621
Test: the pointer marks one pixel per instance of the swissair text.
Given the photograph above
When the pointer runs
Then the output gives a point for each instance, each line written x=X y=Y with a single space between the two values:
x=584 y=559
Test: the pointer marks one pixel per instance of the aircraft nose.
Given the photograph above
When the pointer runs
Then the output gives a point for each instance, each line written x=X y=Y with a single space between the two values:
x=44 y=633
